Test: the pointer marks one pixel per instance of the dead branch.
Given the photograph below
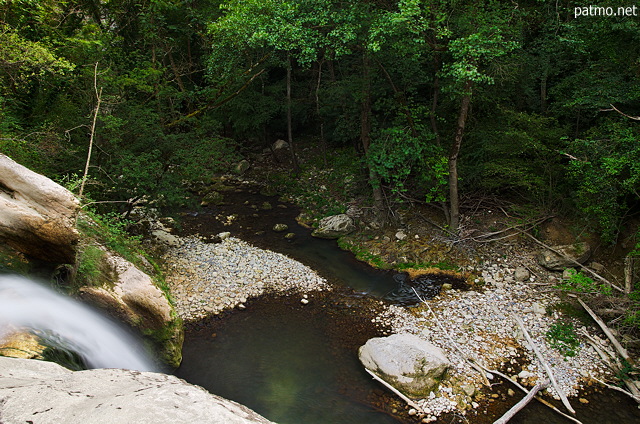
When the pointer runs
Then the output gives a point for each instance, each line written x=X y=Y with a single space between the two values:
x=589 y=270
x=538 y=398
x=93 y=128
x=546 y=366
x=621 y=350
x=472 y=363
x=518 y=406
x=396 y=391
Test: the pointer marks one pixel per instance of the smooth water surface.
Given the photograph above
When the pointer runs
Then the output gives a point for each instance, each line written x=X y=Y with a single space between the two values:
x=292 y=364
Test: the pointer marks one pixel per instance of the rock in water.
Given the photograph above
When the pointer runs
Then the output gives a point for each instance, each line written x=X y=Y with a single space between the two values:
x=54 y=394
x=37 y=216
x=579 y=252
x=407 y=362
x=334 y=226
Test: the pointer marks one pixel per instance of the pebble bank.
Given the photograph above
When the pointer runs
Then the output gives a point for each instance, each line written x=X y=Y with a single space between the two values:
x=207 y=278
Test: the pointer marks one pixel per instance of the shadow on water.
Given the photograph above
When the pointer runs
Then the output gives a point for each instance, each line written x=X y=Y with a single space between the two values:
x=295 y=363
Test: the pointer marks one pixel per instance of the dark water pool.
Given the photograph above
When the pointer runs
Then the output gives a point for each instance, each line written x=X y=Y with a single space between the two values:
x=289 y=362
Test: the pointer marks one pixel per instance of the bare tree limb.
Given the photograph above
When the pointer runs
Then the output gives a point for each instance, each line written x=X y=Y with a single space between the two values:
x=518 y=406
x=93 y=128
x=546 y=366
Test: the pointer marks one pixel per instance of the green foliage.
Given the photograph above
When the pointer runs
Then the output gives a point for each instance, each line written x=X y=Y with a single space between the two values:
x=562 y=336
x=606 y=172
x=578 y=282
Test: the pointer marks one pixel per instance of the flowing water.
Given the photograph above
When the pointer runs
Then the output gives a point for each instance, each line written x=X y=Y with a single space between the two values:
x=68 y=325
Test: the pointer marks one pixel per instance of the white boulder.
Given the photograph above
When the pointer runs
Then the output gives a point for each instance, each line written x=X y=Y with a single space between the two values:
x=407 y=362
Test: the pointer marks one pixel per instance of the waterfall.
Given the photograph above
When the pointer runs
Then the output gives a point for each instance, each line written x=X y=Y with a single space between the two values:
x=27 y=305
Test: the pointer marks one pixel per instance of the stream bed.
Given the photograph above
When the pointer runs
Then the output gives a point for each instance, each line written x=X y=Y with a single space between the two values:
x=297 y=363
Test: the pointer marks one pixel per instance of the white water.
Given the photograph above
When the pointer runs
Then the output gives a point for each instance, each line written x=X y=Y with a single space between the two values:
x=99 y=341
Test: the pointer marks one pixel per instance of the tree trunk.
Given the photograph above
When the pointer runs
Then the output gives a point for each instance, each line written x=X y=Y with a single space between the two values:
x=294 y=159
x=365 y=140
x=454 y=199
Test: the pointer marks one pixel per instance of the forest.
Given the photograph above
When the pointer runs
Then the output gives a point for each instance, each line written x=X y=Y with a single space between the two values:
x=527 y=108
x=533 y=101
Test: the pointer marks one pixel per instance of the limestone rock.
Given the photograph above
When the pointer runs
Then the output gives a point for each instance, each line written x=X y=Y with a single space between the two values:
x=407 y=362
x=401 y=235
x=579 y=252
x=334 y=226
x=37 y=216
x=21 y=345
x=58 y=395
x=135 y=299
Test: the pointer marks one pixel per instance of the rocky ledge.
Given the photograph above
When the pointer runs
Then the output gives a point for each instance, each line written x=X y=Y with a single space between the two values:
x=43 y=392
x=207 y=278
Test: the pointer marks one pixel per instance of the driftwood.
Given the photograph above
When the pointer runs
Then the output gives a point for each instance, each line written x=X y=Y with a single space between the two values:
x=621 y=350
x=396 y=391
x=619 y=389
x=546 y=366
x=453 y=342
x=518 y=406
x=589 y=270
x=538 y=398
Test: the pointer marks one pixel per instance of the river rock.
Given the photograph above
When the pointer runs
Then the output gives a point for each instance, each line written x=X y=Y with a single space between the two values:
x=407 y=362
x=521 y=274
x=37 y=216
x=212 y=198
x=579 y=252
x=134 y=298
x=44 y=392
x=278 y=228
x=334 y=226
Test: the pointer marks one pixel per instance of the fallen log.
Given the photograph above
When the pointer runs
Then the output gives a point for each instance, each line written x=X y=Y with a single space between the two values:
x=546 y=366
x=621 y=350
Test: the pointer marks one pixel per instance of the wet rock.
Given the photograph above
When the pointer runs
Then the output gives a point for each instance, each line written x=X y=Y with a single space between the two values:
x=290 y=236
x=242 y=167
x=334 y=226
x=37 y=216
x=58 y=395
x=579 y=252
x=212 y=198
x=278 y=228
x=134 y=298
x=407 y=362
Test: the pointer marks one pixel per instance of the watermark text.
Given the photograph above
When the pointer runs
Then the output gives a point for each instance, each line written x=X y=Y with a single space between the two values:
x=605 y=11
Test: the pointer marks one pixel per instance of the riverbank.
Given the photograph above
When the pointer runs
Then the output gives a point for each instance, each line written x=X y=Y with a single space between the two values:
x=209 y=278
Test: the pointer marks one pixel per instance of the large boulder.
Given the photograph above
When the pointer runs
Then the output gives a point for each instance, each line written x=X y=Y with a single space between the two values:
x=578 y=252
x=44 y=392
x=134 y=298
x=335 y=226
x=407 y=362
x=37 y=216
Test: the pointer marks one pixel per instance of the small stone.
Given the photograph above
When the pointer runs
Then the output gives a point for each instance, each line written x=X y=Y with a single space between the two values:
x=401 y=235
x=290 y=236
x=583 y=400
x=280 y=228
x=511 y=393
x=412 y=412
x=304 y=301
